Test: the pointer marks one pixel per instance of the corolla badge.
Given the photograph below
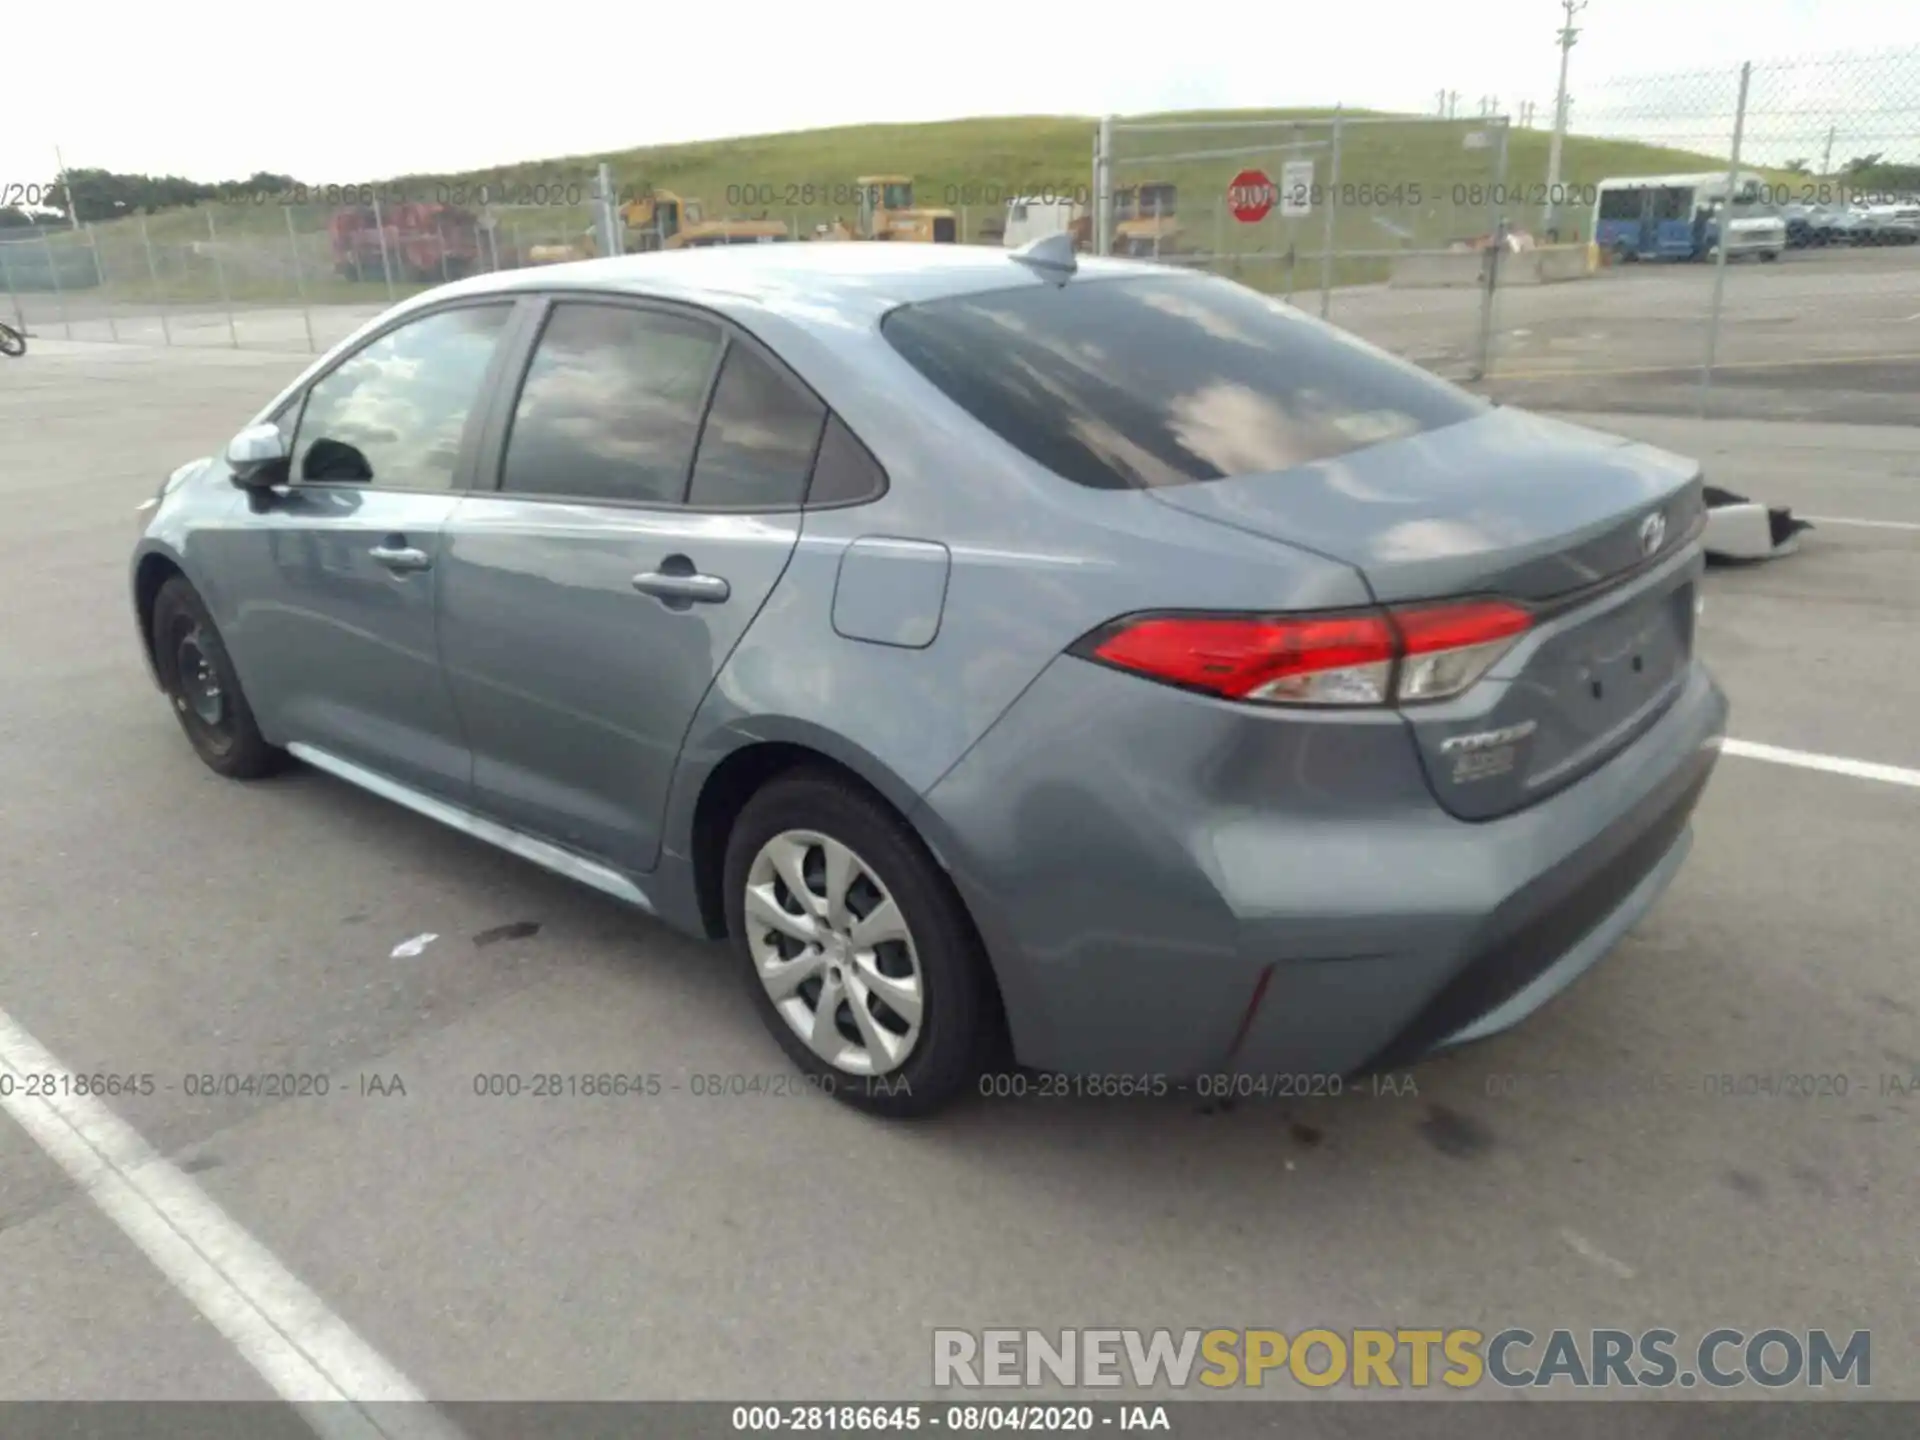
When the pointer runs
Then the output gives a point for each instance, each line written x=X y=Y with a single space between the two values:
x=1488 y=739
x=1486 y=753
x=1653 y=533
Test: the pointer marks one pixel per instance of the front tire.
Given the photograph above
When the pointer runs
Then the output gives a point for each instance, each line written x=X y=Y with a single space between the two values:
x=855 y=947
x=203 y=688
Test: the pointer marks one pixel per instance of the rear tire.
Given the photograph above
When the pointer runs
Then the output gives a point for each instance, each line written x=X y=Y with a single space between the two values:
x=920 y=955
x=203 y=688
x=13 y=344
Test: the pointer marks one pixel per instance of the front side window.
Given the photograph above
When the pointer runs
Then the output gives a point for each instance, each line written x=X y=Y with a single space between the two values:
x=393 y=415
x=611 y=406
x=1136 y=383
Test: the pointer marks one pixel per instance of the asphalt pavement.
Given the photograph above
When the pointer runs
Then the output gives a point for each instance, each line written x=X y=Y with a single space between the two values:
x=157 y=921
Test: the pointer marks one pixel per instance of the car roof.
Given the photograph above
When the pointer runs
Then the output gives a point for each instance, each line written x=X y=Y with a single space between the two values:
x=806 y=282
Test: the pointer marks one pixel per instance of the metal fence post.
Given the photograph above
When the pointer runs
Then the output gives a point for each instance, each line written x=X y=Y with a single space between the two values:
x=386 y=267
x=100 y=275
x=153 y=274
x=1723 y=235
x=6 y=277
x=1333 y=201
x=608 y=217
x=1103 y=188
x=220 y=278
x=300 y=280
x=1497 y=229
x=53 y=273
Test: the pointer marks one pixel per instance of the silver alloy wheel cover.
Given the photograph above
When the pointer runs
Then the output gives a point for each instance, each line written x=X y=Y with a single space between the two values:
x=840 y=950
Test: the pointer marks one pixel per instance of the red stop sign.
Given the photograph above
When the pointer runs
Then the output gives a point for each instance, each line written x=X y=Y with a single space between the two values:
x=1251 y=196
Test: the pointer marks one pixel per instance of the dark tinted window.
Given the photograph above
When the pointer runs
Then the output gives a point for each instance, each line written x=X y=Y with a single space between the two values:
x=1620 y=204
x=611 y=405
x=1670 y=203
x=1132 y=383
x=760 y=437
x=1158 y=200
x=393 y=414
x=845 y=469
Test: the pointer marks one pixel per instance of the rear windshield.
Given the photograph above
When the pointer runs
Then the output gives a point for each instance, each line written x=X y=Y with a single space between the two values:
x=1136 y=383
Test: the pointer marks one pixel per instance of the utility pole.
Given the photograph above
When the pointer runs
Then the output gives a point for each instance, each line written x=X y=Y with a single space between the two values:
x=1568 y=34
x=66 y=184
x=1826 y=160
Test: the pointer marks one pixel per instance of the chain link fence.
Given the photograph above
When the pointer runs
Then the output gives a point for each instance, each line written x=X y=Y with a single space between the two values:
x=1345 y=205
x=1439 y=237
x=1811 y=168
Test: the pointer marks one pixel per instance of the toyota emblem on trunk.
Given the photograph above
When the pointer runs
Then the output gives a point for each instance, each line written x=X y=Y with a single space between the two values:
x=1653 y=533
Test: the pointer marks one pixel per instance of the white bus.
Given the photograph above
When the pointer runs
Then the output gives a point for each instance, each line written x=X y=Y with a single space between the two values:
x=1677 y=217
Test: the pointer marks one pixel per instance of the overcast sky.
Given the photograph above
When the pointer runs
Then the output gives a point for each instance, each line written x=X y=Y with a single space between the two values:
x=220 y=89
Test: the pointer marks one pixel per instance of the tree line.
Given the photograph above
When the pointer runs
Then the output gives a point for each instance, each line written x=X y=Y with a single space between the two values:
x=105 y=195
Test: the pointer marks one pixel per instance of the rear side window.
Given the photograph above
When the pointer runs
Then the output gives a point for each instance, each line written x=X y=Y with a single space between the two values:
x=1132 y=384
x=611 y=405
x=845 y=471
x=760 y=437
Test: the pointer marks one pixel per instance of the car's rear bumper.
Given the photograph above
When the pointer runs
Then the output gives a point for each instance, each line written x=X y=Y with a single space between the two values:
x=1163 y=891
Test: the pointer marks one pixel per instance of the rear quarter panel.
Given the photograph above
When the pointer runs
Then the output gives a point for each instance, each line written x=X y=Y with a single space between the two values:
x=1035 y=562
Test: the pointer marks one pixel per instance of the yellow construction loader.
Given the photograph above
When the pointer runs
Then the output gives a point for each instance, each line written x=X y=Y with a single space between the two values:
x=662 y=220
x=555 y=253
x=887 y=212
x=1145 y=221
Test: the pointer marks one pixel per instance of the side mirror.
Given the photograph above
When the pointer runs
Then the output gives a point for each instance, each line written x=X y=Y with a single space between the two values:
x=258 y=457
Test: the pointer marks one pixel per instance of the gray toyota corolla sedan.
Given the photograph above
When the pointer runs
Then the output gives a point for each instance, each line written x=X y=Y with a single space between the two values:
x=1095 y=657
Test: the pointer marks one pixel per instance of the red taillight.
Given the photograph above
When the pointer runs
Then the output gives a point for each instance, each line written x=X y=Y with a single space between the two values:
x=1426 y=652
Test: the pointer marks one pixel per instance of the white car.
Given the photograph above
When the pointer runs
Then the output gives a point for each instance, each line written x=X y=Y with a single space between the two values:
x=1761 y=235
x=1034 y=217
x=1892 y=223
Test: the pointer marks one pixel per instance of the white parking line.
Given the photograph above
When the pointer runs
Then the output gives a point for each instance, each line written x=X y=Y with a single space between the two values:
x=306 y=1353
x=1870 y=524
x=1833 y=764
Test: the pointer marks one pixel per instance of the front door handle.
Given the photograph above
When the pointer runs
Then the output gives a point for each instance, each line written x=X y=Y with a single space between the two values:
x=401 y=559
x=706 y=589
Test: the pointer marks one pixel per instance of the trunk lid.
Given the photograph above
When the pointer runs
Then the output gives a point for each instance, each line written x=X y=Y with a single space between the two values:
x=1527 y=508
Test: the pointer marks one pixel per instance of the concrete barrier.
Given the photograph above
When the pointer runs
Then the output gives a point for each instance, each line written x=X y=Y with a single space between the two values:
x=1546 y=265
x=1564 y=262
x=1466 y=269
x=1460 y=269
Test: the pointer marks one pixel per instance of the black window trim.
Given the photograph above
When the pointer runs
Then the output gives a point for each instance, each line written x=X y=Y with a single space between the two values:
x=465 y=469
x=491 y=460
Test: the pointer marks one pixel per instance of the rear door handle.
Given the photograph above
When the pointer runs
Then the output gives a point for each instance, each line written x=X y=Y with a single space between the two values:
x=401 y=559
x=707 y=589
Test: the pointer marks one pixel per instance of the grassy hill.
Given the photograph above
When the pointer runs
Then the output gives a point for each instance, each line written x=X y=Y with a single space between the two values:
x=1403 y=182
